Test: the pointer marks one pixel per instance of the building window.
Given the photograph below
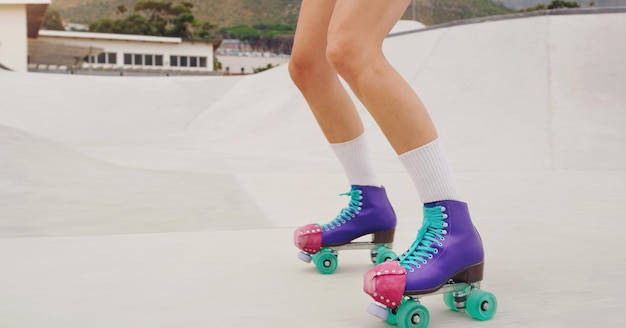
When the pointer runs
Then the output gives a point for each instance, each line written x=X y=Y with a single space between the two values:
x=133 y=59
x=102 y=58
x=138 y=59
x=188 y=61
x=128 y=59
x=149 y=59
x=111 y=58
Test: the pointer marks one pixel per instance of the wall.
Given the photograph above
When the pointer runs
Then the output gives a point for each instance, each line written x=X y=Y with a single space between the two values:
x=120 y=47
x=13 y=40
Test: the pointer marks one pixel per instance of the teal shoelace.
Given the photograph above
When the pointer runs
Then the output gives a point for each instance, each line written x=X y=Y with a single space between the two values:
x=349 y=212
x=432 y=232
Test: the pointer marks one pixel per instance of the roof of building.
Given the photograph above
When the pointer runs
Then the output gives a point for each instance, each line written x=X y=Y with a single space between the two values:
x=110 y=36
x=24 y=2
x=35 y=10
x=124 y=37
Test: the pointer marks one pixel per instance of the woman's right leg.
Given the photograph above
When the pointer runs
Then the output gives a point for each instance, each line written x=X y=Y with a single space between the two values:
x=330 y=103
x=317 y=80
x=369 y=210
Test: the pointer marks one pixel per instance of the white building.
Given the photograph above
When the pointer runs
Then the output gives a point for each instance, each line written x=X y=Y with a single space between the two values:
x=23 y=45
x=19 y=20
x=123 y=52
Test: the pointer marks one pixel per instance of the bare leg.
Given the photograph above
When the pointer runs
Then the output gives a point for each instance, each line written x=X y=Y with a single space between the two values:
x=356 y=33
x=317 y=80
x=369 y=211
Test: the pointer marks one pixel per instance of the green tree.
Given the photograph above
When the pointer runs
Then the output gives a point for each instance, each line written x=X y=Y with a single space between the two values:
x=241 y=32
x=261 y=69
x=133 y=24
x=121 y=9
x=52 y=20
x=555 y=4
x=204 y=30
x=159 y=18
x=180 y=26
x=103 y=25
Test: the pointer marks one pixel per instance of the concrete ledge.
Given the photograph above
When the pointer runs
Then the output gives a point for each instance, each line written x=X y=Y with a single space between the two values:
x=554 y=12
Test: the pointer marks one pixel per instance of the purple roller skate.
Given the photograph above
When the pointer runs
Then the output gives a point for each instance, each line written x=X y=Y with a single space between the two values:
x=446 y=258
x=369 y=212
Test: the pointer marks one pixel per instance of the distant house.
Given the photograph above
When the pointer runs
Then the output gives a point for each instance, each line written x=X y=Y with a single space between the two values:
x=19 y=20
x=23 y=46
x=122 y=52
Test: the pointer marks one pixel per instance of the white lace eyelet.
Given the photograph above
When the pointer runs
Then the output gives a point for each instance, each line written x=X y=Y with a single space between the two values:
x=444 y=232
x=445 y=224
x=436 y=251
x=445 y=216
x=430 y=256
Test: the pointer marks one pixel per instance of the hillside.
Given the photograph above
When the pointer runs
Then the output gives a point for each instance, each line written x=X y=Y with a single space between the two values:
x=234 y=12
x=523 y=4
x=224 y=13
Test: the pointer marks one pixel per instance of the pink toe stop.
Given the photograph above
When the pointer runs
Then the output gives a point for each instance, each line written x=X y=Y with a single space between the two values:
x=385 y=283
x=308 y=238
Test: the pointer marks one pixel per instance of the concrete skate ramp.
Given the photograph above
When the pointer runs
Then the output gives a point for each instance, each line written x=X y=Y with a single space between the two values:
x=53 y=190
x=531 y=111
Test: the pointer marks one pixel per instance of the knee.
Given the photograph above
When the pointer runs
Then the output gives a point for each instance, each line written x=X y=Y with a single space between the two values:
x=297 y=69
x=305 y=69
x=345 y=57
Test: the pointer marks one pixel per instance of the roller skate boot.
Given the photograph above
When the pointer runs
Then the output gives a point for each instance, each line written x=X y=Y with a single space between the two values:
x=368 y=213
x=446 y=258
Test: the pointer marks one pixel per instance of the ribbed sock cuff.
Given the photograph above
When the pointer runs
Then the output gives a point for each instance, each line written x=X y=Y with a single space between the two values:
x=357 y=162
x=430 y=171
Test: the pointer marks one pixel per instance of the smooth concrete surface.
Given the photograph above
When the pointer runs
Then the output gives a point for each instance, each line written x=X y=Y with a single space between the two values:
x=171 y=201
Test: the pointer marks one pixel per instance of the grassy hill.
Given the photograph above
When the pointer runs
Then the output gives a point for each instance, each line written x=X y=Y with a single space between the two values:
x=222 y=12
x=234 y=12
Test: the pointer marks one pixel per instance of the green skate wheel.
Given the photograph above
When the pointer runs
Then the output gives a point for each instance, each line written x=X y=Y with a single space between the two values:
x=412 y=315
x=392 y=318
x=326 y=261
x=381 y=254
x=385 y=254
x=448 y=299
x=481 y=305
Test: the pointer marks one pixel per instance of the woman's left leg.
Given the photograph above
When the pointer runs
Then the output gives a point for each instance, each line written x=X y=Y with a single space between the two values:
x=355 y=37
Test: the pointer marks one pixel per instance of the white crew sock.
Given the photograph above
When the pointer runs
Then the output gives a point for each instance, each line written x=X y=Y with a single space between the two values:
x=430 y=171
x=357 y=162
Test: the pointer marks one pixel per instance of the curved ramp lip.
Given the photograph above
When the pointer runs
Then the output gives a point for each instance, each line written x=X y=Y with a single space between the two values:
x=553 y=12
x=5 y=68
